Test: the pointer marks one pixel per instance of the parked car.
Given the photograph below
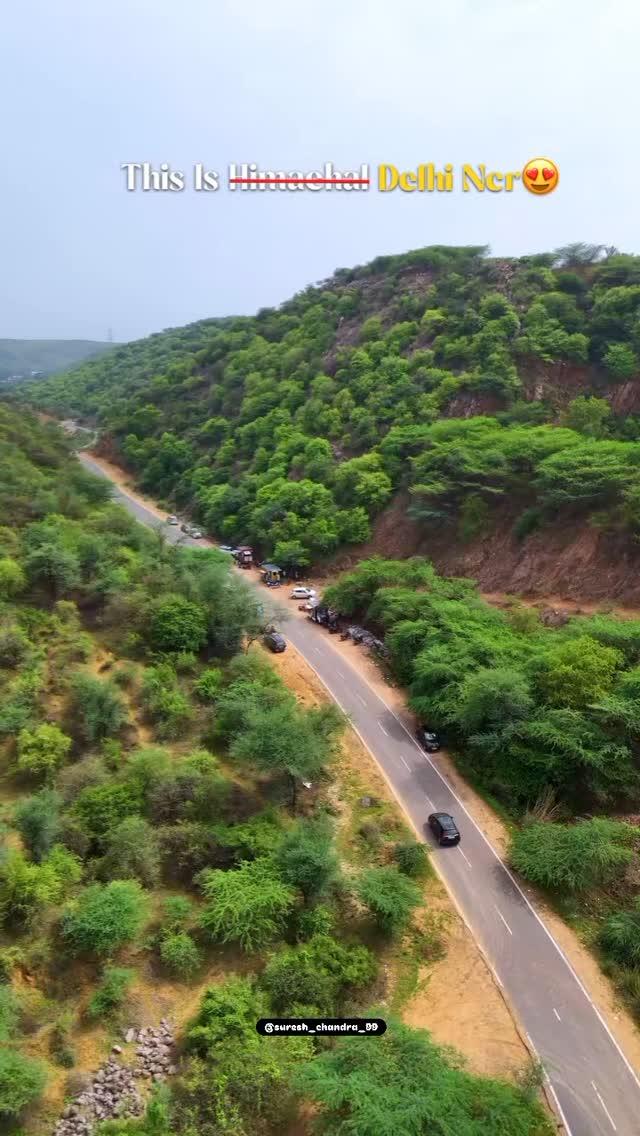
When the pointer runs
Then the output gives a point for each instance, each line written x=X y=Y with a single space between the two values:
x=444 y=828
x=300 y=593
x=227 y=548
x=428 y=740
x=196 y=534
x=185 y=528
x=172 y=519
x=275 y=642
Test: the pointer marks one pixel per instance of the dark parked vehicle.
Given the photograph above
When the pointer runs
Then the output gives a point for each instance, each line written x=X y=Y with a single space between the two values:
x=444 y=828
x=428 y=740
x=275 y=642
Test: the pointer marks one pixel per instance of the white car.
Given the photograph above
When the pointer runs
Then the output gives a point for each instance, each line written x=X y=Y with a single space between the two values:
x=195 y=534
x=172 y=519
x=302 y=593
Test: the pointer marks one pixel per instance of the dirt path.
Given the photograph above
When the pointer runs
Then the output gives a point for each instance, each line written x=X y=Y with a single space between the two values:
x=600 y=989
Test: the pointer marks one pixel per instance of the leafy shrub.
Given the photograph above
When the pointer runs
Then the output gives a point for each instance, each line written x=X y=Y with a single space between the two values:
x=100 y=808
x=619 y=936
x=37 y=819
x=60 y=1043
x=111 y=992
x=208 y=685
x=14 y=645
x=42 y=751
x=12 y=578
x=353 y=1081
x=9 y=1012
x=105 y=917
x=249 y=905
x=132 y=852
x=99 y=706
x=390 y=897
x=411 y=858
x=307 y=859
x=575 y=857
x=164 y=702
x=177 y=912
x=180 y=954
x=25 y=888
x=22 y=1080
x=232 y=1079
x=317 y=974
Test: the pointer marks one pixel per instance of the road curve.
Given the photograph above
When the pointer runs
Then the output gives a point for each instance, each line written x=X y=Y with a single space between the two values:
x=594 y=1086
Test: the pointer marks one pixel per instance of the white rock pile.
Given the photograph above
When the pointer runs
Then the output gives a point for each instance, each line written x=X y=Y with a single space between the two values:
x=114 y=1090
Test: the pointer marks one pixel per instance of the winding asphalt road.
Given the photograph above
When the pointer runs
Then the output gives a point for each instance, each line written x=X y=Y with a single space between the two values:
x=594 y=1087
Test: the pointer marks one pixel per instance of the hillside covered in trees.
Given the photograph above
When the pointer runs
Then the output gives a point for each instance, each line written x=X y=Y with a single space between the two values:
x=22 y=356
x=481 y=393
x=154 y=860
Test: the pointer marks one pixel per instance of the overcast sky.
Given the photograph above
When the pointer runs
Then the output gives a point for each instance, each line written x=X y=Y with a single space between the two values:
x=90 y=84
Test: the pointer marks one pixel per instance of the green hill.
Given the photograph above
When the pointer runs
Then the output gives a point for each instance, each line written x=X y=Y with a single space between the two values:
x=444 y=378
x=22 y=356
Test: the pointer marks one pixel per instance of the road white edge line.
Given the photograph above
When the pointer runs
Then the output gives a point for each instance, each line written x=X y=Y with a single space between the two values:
x=503 y=919
x=547 y=1081
x=606 y=1110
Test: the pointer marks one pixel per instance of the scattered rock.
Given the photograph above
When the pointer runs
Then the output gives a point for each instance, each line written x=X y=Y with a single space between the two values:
x=113 y=1091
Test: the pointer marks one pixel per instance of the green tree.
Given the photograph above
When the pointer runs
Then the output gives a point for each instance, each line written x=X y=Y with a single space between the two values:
x=37 y=819
x=578 y=672
x=621 y=361
x=249 y=905
x=282 y=739
x=234 y=1080
x=22 y=1080
x=26 y=888
x=105 y=917
x=317 y=975
x=132 y=852
x=572 y=857
x=307 y=859
x=404 y=1084
x=12 y=578
x=178 y=625
x=491 y=697
x=390 y=897
x=42 y=751
x=588 y=415
x=99 y=706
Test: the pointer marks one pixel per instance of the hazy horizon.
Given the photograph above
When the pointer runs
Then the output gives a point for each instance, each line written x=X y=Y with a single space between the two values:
x=92 y=87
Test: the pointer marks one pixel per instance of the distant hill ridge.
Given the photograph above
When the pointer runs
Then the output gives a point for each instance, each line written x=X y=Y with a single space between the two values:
x=19 y=357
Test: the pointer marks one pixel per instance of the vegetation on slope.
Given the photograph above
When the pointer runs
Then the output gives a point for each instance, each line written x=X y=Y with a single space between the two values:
x=292 y=430
x=22 y=356
x=546 y=720
x=147 y=764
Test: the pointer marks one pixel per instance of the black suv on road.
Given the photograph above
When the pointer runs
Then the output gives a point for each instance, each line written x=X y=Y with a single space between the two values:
x=444 y=828
x=275 y=642
x=428 y=740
